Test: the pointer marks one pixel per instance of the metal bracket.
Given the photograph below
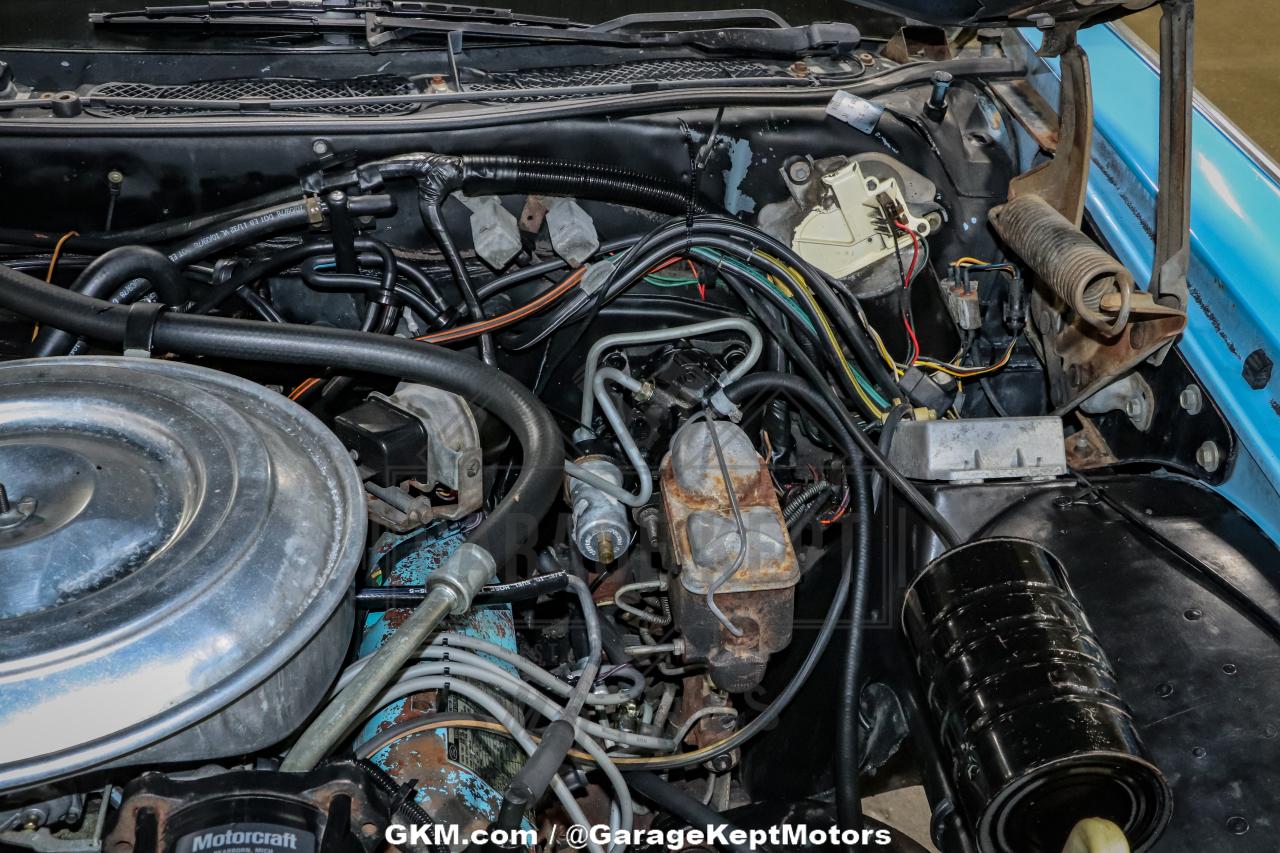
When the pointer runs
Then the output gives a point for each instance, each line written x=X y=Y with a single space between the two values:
x=1081 y=359
x=1173 y=198
x=1062 y=181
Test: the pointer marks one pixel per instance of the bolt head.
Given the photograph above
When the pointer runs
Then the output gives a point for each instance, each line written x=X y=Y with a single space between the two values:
x=1209 y=456
x=1191 y=400
x=799 y=171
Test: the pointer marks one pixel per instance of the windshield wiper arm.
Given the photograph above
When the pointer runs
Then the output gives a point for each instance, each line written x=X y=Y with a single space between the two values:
x=389 y=20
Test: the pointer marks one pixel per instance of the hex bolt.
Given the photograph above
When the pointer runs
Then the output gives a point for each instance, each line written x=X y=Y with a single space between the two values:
x=799 y=171
x=1191 y=399
x=1209 y=456
x=937 y=106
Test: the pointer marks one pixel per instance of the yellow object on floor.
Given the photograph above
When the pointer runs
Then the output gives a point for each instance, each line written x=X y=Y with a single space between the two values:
x=1095 y=835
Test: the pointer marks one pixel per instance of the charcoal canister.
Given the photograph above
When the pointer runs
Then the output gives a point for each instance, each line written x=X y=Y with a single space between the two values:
x=1026 y=706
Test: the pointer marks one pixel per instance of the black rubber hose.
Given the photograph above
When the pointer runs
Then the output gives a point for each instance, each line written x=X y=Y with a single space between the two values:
x=677 y=803
x=884 y=442
x=434 y=221
x=496 y=174
x=532 y=780
x=251 y=227
x=386 y=283
x=160 y=233
x=104 y=277
x=848 y=761
x=511 y=524
x=378 y=598
x=258 y=225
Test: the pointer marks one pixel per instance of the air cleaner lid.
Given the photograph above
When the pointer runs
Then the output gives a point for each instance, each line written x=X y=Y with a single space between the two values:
x=173 y=536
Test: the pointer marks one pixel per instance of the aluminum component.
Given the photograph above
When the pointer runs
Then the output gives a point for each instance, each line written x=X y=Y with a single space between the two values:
x=757 y=598
x=495 y=232
x=975 y=449
x=454 y=460
x=56 y=807
x=1027 y=708
x=170 y=503
x=601 y=526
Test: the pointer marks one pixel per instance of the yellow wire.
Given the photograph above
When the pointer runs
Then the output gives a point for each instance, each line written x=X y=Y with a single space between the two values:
x=969 y=372
x=798 y=281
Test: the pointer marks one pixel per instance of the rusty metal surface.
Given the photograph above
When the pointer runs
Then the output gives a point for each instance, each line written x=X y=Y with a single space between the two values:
x=759 y=598
x=1080 y=357
x=915 y=42
x=1062 y=180
x=1029 y=108
x=1087 y=448
x=1080 y=360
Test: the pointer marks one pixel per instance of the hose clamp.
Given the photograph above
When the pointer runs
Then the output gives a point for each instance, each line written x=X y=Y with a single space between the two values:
x=140 y=328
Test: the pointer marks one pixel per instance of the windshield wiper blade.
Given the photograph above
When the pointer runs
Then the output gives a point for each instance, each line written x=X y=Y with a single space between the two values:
x=391 y=20
x=293 y=11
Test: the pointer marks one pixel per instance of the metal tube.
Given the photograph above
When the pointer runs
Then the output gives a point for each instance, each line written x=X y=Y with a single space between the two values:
x=650 y=336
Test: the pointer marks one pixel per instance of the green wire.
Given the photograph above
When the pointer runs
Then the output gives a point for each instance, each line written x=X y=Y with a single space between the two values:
x=746 y=269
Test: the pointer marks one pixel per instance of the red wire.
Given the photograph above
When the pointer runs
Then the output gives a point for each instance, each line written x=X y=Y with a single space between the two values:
x=911 y=271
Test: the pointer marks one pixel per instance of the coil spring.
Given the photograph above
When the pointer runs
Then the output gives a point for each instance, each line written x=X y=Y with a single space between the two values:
x=1073 y=266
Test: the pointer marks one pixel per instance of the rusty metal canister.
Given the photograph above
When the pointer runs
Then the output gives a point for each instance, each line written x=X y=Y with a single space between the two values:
x=1027 y=707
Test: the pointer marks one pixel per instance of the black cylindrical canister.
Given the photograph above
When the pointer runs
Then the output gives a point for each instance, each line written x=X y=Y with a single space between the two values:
x=1025 y=702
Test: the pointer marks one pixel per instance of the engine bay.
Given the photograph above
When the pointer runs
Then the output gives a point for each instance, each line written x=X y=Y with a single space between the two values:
x=492 y=450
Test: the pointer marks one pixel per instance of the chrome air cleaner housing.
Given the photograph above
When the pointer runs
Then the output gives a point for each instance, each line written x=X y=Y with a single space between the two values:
x=177 y=547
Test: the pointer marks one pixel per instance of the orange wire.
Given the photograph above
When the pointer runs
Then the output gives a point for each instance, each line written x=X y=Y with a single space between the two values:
x=303 y=387
x=53 y=263
x=57 y=250
x=473 y=329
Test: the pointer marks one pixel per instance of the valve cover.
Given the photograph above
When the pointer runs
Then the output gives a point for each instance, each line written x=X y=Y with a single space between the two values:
x=176 y=557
